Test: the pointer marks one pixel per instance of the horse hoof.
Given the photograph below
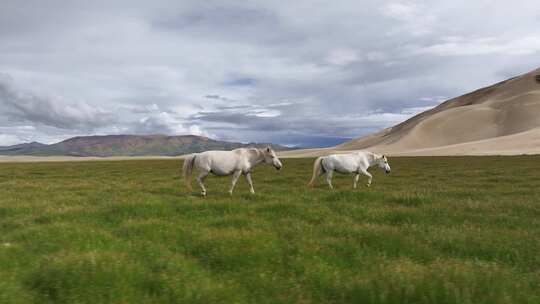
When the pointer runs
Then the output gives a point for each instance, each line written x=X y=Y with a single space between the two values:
x=368 y=185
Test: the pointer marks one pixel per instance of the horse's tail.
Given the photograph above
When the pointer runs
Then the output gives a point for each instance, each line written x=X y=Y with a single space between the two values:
x=187 y=169
x=317 y=170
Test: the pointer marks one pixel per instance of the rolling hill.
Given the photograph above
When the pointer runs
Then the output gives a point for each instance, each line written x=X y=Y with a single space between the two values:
x=127 y=145
x=21 y=148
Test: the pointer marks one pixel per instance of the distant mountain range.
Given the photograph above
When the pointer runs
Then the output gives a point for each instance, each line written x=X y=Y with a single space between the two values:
x=128 y=145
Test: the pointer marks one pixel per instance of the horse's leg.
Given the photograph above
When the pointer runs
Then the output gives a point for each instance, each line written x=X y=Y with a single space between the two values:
x=370 y=177
x=250 y=183
x=200 y=180
x=329 y=178
x=356 y=178
x=235 y=177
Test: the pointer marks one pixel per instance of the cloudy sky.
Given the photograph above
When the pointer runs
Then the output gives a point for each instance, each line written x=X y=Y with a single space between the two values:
x=309 y=73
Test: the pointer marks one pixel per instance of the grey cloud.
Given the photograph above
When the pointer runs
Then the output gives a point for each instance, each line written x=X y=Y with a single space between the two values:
x=27 y=107
x=229 y=20
x=221 y=98
x=222 y=16
x=294 y=130
x=240 y=81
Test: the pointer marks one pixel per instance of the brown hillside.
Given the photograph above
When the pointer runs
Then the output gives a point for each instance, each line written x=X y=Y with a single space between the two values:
x=506 y=108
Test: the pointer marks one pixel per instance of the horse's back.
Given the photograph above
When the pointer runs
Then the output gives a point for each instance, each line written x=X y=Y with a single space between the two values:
x=219 y=162
x=344 y=163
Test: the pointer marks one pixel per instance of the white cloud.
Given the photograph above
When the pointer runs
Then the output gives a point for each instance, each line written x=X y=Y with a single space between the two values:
x=455 y=46
x=342 y=56
x=142 y=109
x=167 y=123
x=404 y=11
x=264 y=113
x=9 y=139
x=27 y=107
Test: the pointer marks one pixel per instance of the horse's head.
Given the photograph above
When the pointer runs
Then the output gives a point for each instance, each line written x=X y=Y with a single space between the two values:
x=383 y=163
x=271 y=158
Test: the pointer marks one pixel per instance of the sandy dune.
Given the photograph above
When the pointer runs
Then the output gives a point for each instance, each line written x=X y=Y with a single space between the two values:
x=500 y=119
x=527 y=142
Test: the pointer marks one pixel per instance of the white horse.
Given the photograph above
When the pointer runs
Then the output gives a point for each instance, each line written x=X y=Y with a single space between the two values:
x=357 y=163
x=221 y=163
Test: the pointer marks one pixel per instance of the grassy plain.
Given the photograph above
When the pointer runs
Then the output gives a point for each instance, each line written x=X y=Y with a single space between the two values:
x=436 y=230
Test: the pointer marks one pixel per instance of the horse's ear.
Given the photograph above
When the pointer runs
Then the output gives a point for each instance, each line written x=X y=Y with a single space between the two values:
x=268 y=149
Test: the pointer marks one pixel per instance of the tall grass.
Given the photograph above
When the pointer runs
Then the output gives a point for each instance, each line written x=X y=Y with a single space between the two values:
x=437 y=230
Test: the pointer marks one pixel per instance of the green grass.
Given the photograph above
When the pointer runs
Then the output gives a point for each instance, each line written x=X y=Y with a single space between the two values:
x=437 y=230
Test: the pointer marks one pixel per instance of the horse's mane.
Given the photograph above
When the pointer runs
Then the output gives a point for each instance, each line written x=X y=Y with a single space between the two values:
x=373 y=155
x=254 y=151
